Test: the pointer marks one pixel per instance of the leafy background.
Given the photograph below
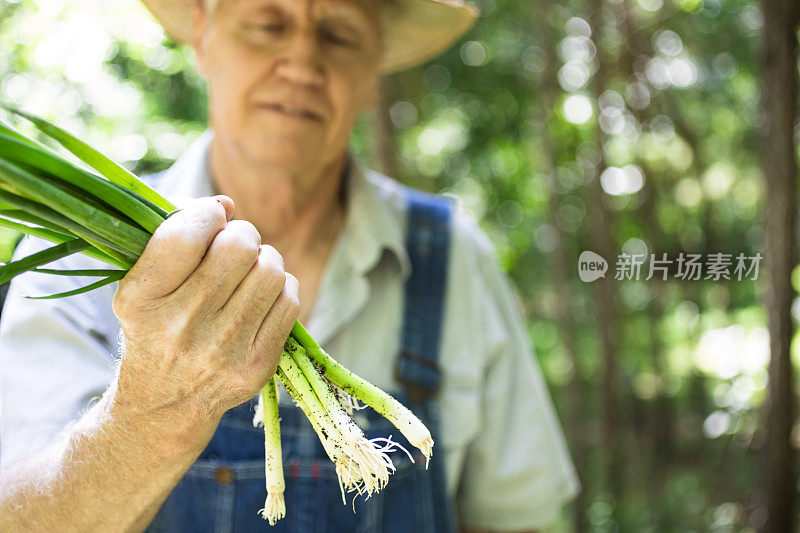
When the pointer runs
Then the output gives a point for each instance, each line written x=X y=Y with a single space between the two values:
x=616 y=126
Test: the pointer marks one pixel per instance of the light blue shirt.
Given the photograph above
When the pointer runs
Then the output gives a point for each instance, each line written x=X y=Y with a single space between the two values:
x=507 y=462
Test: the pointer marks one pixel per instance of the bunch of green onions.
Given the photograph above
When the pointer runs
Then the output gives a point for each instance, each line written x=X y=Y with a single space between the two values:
x=102 y=210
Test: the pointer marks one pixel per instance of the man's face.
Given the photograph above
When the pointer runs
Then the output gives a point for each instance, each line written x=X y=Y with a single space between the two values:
x=288 y=78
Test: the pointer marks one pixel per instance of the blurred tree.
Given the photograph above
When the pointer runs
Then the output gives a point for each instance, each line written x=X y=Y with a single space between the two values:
x=384 y=149
x=779 y=70
x=600 y=222
x=560 y=261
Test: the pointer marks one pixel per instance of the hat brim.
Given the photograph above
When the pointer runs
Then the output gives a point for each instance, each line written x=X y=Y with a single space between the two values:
x=419 y=30
x=416 y=30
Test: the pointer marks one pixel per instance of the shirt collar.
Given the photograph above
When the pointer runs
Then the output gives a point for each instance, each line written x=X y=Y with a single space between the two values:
x=375 y=218
x=375 y=205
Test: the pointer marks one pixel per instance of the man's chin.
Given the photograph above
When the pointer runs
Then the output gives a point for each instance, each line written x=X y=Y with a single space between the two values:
x=288 y=157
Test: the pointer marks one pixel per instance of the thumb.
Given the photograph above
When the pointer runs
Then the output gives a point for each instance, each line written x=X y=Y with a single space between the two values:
x=227 y=203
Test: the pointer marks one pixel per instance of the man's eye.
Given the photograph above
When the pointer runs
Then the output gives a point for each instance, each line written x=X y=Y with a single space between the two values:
x=338 y=40
x=269 y=28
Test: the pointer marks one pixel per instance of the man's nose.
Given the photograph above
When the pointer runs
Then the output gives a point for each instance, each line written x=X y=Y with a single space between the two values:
x=300 y=62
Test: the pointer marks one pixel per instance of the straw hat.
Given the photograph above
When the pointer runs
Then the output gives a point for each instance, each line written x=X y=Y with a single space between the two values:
x=417 y=30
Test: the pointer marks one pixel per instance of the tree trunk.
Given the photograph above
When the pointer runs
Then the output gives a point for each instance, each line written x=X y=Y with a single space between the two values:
x=560 y=267
x=663 y=419
x=608 y=315
x=780 y=90
x=384 y=151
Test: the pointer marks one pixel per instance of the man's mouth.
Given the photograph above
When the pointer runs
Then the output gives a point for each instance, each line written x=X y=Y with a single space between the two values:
x=294 y=111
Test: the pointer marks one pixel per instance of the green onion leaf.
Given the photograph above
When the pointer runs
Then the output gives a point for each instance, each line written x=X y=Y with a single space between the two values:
x=91 y=287
x=59 y=237
x=94 y=272
x=32 y=157
x=105 y=166
x=60 y=221
x=9 y=270
x=5 y=129
x=46 y=230
x=21 y=182
x=163 y=213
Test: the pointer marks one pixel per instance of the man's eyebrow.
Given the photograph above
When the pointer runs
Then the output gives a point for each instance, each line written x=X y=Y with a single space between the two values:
x=345 y=9
x=253 y=5
x=330 y=9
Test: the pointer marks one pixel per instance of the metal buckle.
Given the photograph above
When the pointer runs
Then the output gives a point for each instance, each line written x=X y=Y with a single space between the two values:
x=416 y=391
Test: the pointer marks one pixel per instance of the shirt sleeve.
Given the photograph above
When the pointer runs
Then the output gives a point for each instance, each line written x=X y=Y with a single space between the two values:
x=518 y=472
x=56 y=356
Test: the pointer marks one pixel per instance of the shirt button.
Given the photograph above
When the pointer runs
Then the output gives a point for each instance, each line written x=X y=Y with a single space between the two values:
x=224 y=475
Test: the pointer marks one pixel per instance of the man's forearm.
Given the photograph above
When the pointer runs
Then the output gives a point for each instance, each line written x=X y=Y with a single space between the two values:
x=111 y=471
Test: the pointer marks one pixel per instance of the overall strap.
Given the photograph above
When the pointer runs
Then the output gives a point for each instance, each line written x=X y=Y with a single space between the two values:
x=417 y=370
x=427 y=245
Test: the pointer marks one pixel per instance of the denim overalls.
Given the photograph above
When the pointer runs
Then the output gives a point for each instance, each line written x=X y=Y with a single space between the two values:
x=224 y=489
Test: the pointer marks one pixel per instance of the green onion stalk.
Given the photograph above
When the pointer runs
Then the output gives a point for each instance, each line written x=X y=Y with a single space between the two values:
x=267 y=414
x=108 y=214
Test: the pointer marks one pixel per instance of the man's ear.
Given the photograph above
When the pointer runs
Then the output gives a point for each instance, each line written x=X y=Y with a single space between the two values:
x=199 y=26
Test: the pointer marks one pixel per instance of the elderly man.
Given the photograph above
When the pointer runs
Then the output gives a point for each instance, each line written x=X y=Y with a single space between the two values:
x=397 y=285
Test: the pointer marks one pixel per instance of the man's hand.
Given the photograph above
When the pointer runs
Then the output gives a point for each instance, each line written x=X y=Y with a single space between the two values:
x=205 y=312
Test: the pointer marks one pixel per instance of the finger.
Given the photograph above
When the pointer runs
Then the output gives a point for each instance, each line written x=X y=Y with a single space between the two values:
x=231 y=255
x=278 y=323
x=258 y=291
x=177 y=247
